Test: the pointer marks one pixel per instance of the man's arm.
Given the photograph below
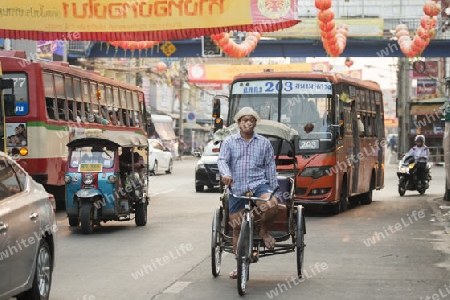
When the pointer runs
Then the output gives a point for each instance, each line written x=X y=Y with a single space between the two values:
x=223 y=162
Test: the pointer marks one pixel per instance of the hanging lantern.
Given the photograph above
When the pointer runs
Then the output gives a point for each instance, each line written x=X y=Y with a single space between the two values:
x=133 y=45
x=326 y=15
x=328 y=26
x=323 y=4
x=161 y=66
x=431 y=8
x=423 y=33
x=348 y=62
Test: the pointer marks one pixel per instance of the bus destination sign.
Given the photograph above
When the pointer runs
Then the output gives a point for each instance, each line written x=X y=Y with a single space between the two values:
x=289 y=87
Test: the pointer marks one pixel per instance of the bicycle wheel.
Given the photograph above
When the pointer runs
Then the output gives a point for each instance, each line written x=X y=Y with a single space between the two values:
x=216 y=242
x=300 y=240
x=243 y=256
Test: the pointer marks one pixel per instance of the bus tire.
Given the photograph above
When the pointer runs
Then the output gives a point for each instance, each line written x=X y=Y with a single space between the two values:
x=366 y=198
x=343 y=199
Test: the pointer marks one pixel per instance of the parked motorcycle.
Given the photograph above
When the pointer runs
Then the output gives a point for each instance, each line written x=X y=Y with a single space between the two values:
x=407 y=176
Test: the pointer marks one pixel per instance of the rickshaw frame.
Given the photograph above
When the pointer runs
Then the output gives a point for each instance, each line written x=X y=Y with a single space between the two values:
x=290 y=216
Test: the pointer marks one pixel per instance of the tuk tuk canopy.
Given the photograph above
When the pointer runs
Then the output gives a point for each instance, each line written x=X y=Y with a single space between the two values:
x=85 y=136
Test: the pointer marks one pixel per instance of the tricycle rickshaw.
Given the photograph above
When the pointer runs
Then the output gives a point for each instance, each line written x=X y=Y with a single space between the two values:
x=96 y=188
x=289 y=226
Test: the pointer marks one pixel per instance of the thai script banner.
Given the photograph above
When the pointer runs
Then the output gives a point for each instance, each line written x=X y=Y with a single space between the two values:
x=106 y=18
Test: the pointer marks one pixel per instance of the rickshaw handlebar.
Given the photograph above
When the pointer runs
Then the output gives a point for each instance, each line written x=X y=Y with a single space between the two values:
x=251 y=197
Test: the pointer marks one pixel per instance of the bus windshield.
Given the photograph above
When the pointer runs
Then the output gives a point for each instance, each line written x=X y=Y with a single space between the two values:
x=18 y=105
x=305 y=106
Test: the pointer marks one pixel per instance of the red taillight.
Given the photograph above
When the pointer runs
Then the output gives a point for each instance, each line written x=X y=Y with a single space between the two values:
x=52 y=201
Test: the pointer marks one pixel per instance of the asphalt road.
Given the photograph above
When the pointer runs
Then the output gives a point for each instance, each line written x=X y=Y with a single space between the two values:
x=395 y=248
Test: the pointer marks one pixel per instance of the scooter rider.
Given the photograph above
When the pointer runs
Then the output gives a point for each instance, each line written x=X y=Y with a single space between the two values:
x=421 y=154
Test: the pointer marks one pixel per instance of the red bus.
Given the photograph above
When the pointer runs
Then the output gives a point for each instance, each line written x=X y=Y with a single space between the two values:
x=340 y=121
x=48 y=98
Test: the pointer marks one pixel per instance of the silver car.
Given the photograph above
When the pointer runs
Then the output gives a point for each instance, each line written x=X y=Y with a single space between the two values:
x=27 y=234
x=159 y=157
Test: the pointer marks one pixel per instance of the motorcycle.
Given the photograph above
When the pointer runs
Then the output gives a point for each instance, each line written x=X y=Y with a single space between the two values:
x=97 y=190
x=407 y=176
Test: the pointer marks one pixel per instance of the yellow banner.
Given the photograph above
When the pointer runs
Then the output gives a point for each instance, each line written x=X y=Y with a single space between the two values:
x=121 y=16
x=226 y=73
x=310 y=28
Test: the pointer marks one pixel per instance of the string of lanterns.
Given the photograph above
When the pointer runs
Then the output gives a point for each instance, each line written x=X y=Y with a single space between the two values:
x=334 y=36
x=424 y=33
x=231 y=48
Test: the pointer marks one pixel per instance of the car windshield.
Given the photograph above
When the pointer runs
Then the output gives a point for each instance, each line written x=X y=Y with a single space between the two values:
x=211 y=149
x=92 y=155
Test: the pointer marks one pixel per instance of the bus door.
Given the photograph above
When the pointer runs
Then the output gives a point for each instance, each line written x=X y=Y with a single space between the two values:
x=380 y=137
x=356 y=150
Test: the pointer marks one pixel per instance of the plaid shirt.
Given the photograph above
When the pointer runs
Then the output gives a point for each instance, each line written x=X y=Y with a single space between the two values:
x=249 y=164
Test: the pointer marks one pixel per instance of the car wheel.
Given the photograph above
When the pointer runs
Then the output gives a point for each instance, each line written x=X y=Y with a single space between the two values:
x=169 y=169
x=199 y=188
x=74 y=221
x=155 y=167
x=40 y=290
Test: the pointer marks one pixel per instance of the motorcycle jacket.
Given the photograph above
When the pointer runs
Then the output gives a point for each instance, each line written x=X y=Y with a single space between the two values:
x=420 y=154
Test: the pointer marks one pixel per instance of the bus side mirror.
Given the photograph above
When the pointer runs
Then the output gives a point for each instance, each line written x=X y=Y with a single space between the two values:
x=216 y=108
x=218 y=124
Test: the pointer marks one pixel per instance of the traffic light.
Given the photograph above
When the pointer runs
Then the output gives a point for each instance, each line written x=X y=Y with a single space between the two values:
x=218 y=124
x=216 y=108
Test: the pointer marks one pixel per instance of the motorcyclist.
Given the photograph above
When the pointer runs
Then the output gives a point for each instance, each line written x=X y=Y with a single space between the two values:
x=420 y=152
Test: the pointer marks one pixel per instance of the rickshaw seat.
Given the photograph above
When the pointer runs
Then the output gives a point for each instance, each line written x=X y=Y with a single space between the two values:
x=283 y=192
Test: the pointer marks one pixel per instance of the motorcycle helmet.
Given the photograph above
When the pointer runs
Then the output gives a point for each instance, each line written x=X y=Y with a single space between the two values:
x=420 y=137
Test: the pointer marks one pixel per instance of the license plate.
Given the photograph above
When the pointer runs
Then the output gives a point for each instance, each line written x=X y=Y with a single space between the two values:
x=217 y=176
x=90 y=168
x=309 y=144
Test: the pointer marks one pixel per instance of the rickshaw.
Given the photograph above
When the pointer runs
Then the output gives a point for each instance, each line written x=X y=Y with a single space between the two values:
x=96 y=188
x=289 y=227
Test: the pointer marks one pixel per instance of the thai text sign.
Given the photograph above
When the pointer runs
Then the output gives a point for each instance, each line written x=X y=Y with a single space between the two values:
x=106 y=16
x=426 y=86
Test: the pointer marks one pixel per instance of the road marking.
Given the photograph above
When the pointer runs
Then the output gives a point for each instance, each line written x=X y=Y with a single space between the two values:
x=177 y=287
x=164 y=192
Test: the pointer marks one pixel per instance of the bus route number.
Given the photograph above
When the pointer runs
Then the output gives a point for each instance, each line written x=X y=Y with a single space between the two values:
x=309 y=144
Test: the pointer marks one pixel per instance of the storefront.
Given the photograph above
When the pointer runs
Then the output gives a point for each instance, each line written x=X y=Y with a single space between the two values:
x=426 y=119
x=164 y=131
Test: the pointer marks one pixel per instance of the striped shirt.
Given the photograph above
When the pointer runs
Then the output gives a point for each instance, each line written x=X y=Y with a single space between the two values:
x=250 y=164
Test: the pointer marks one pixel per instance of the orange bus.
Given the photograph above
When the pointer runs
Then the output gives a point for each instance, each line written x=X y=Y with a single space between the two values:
x=50 y=97
x=341 y=127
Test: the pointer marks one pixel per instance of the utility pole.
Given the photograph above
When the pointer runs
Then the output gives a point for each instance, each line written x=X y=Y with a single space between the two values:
x=403 y=93
x=183 y=73
x=446 y=141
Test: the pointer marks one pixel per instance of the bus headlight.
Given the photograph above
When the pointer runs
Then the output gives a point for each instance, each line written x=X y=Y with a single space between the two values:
x=316 y=172
x=88 y=179
x=112 y=178
x=67 y=179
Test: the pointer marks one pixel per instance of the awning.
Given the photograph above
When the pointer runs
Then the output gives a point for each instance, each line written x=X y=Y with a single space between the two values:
x=424 y=109
x=165 y=130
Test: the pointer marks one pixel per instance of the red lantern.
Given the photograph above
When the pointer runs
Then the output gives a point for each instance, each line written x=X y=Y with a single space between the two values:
x=161 y=66
x=431 y=8
x=323 y=4
x=327 y=26
x=348 y=62
x=326 y=15
x=423 y=33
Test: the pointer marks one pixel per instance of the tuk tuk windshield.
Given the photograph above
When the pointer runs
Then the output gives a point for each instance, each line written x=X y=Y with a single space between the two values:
x=92 y=155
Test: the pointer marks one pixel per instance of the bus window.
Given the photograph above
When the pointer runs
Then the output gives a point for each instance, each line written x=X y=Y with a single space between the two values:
x=49 y=96
x=102 y=100
x=61 y=97
x=123 y=104
x=368 y=101
x=71 y=99
x=136 y=110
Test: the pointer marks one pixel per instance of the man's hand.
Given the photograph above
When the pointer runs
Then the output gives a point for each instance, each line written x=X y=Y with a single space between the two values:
x=227 y=180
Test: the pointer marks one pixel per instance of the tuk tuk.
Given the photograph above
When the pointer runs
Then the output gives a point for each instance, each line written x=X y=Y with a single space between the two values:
x=97 y=187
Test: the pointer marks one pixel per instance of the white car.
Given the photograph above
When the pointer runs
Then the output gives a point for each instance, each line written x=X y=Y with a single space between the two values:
x=159 y=157
x=27 y=234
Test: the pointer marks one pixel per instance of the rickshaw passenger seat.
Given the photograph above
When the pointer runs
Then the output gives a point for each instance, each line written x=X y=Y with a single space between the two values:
x=283 y=192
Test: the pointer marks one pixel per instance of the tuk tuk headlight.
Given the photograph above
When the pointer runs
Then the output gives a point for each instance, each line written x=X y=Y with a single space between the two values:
x=88 y=179
x=67 y=179
x=112 y=179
